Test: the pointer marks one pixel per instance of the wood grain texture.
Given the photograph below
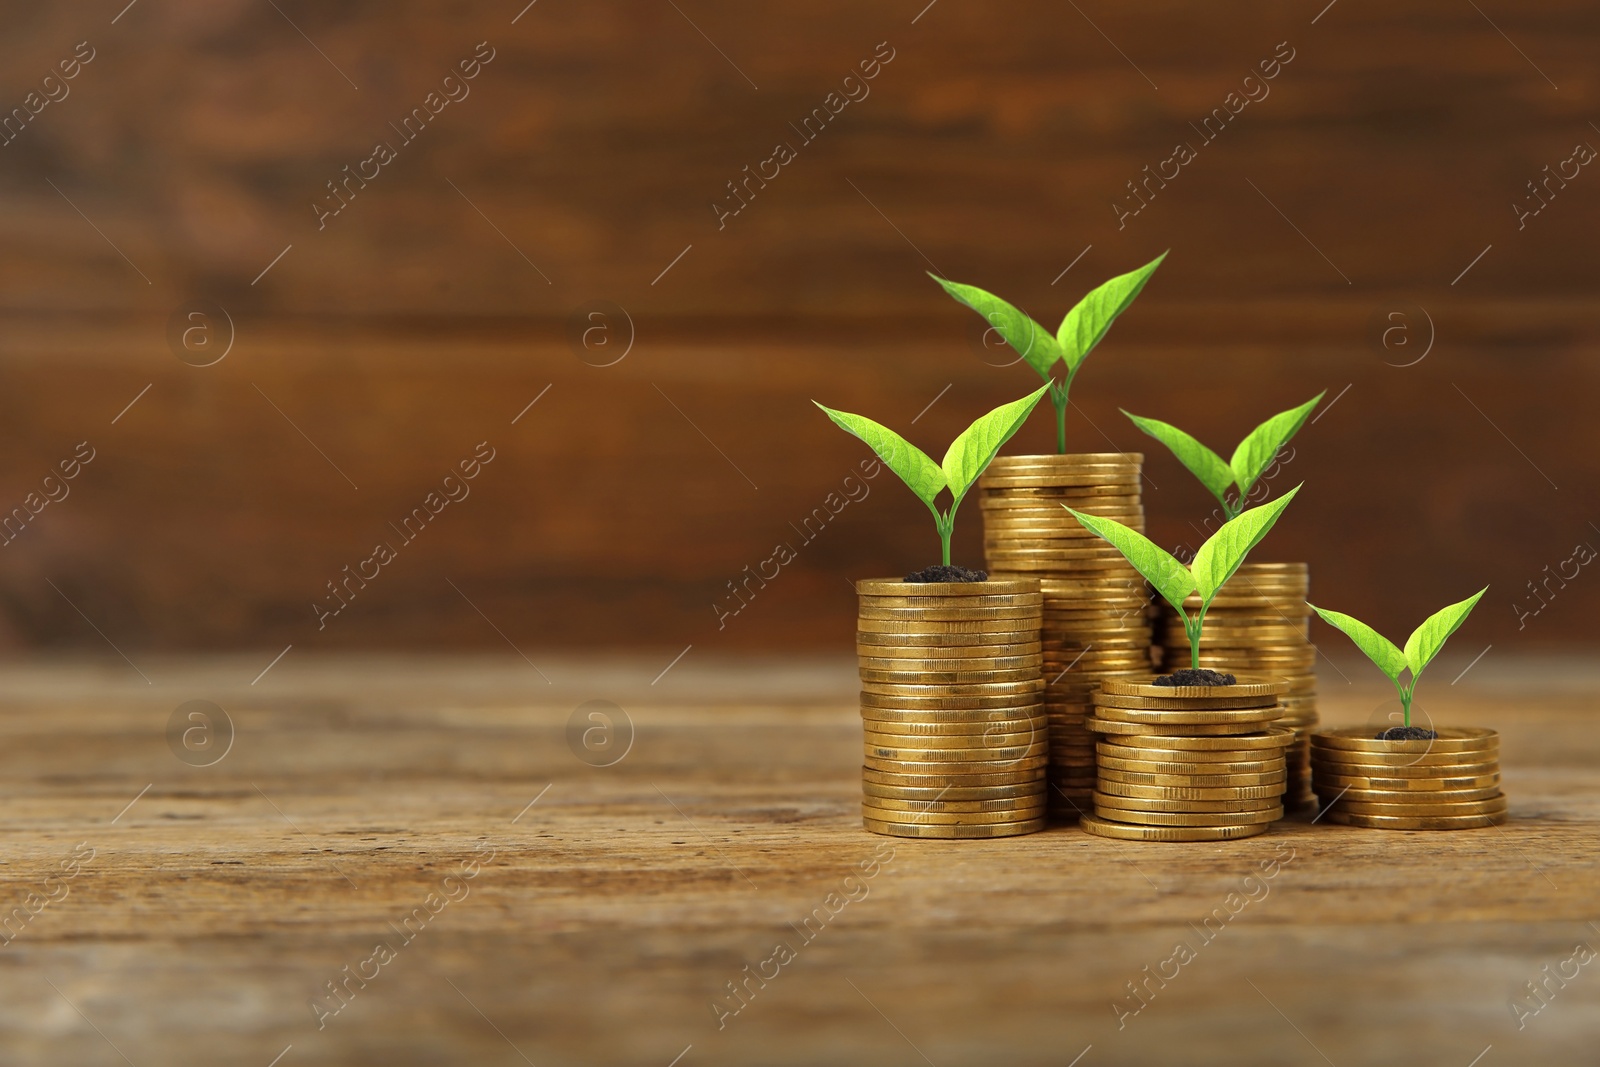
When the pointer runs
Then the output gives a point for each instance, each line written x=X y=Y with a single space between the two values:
x=586 y=160
x=616 y=908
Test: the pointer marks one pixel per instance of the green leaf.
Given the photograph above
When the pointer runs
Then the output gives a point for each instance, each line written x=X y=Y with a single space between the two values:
x=979 y=443
x=920 y=473
x=1087 y=323
x=1203 y=463
x=1020 y=332
x=1171 y=578
x=1430 y=637
x=1226 y=549
x=1255 y=453
x=1382 y=651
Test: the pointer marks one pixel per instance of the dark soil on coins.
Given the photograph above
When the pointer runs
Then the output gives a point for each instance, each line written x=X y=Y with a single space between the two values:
x=947 y=574
x=1196 y=676
x=1408 y=733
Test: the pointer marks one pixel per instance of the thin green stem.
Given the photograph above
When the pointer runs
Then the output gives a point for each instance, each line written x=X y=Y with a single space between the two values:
x=1194 y=634
x=1061 y=423
x=1405 y=698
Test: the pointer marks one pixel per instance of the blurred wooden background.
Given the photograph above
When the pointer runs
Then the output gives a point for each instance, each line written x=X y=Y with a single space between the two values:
x=368 y=357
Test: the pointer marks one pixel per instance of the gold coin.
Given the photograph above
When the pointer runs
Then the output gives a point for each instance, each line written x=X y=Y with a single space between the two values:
x=1405 y=785
x=1064 y=460
x=996 y=829
x=935 y=720
x=1090 y=610
x=1055 y=506
x=1177 y=818
x=1196 y=807
x=1368 y=762
x=1244 y=688
x=1225 y=622
x=1055 y=520
x=897 y=599
x=1017 y=813
x=1111 y=700
x=1055 y=501
x=996 y=742
x=1112 y=635
x=1488 y=806
x=1115 y=493
x=1364 y=739
x=1048 y=466
x=1109 y=566
x=1289 y=630
x=974 y=607
x=1163 y=730
x=1034 y=798
x=1214 y=716
x=939 y=662
x=943 y=646
x=1055 y=475
x=1194 y=757
x=1019 y=549
x=1117 y=763
x=1052 y=520
x=1194 y=781
x=1387 y=796
x=1001 y=630
x=1084 y=592
x=898 y=587
x=917 y=727
x=926 y=677
x=1030 y=687
x=980 y=753
x=1184 y=792
x=924 y=775
x=1078 y=676
x=951 y=710
x=1004 y=794
x=1436 y=770
x=969 y=614
x=1271 y=738
x=1415 y=822
x=1128 y=832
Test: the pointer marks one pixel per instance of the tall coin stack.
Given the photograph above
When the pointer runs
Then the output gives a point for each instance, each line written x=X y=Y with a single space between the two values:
x=1451 y=782
x=1258 y=625
x=1095 y=628
x=1188 y=763
x=952 y=708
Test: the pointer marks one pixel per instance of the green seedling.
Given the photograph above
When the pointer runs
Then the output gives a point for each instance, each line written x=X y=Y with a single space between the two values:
x=1080 y=331
x=1423 y=644
x=1253 y=456
x=964 y=461
x=1213 y=565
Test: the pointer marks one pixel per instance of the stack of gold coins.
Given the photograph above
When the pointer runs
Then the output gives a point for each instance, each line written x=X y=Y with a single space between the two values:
x=1451 y=782
x=1095 y=627
x=1188 y=763
x=1259 y=625
x=952 y=706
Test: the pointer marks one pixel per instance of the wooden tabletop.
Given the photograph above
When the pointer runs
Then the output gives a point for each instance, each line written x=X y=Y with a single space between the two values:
x=422 y=834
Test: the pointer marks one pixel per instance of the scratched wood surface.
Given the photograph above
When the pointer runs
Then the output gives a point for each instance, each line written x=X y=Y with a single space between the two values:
x=211 y=905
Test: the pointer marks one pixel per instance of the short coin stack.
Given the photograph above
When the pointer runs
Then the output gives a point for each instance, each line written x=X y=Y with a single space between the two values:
x=1187 y=763
x=1095 y=626
x=952 y=706
x=1451 y=782
x=1258 y=625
